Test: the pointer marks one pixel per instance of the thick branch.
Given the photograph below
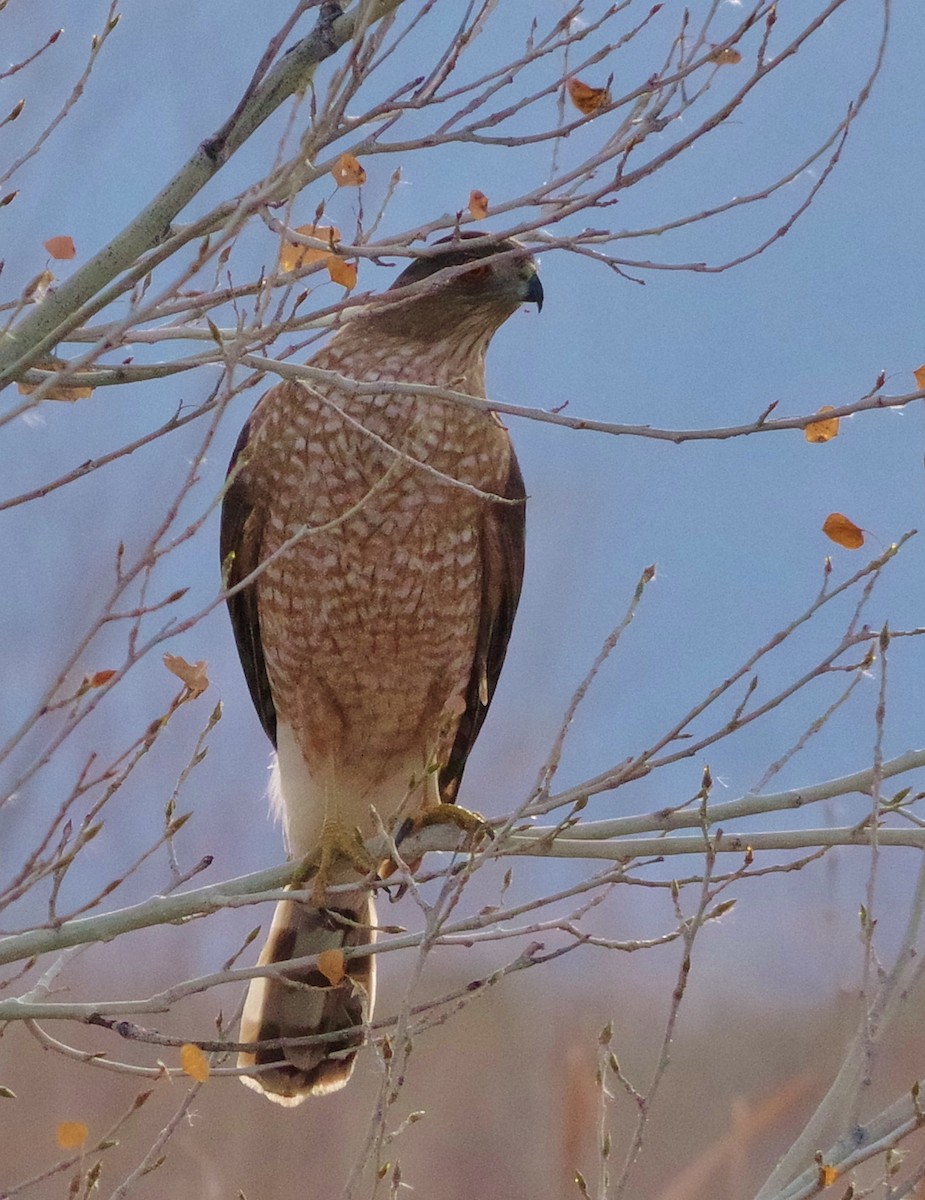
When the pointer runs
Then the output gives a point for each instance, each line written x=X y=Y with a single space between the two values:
x=750 y=805
x=49 y=321
x=625 y=849
x=161 y=910
x=164 y=910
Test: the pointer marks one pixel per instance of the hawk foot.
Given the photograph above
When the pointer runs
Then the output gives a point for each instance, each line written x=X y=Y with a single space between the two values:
x=439 y=814
x=472 y=823
x=338 y=843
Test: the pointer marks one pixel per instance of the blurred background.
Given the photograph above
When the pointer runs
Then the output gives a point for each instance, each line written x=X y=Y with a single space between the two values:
x=733 y=526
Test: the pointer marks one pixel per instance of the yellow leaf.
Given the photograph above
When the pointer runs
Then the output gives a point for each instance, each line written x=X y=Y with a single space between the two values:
x=822 y=431
x=192 y=674
x=343 y=272
x=60 y=247
x=292 y=255
x=331 y=966
x=57 y=391
x=194 y=1062
x=827 y=1175
x=348 y=172
x=919 y=374
x=727 y=57
x=842 y=530
x=71 y=1135
x=478 y=204
x=586 y=98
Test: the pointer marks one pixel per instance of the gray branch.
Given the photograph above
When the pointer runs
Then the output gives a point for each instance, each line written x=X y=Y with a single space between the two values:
x=199 y=902
x=48 y=322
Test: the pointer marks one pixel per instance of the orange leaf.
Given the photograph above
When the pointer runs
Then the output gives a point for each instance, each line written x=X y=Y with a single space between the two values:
x=331 y=966
x=97 y=679
x=192 y=674
x=71 y=1135
x=292 y=255
x=727 y=57
x=343 y=272
x=827 y=1175
x=348 y=172
x=822 y=431
x=919 y=374
x=585 y=98
x=840 y=529
x=60 y=247
x=194 y=1062
x=478 y=204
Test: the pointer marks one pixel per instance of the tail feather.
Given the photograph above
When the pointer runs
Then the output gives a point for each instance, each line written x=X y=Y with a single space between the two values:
x=302 y=1003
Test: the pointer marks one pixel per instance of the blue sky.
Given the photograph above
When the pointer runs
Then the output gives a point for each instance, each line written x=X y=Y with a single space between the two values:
x=734 y=527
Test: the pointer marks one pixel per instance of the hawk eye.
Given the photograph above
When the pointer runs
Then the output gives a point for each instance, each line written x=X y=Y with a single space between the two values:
x=477 y=274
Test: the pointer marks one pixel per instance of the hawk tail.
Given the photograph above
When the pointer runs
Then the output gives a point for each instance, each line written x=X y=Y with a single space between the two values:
x=304 y=1002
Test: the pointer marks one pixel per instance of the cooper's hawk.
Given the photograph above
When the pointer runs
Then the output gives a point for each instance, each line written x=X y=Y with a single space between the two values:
x=374 y=634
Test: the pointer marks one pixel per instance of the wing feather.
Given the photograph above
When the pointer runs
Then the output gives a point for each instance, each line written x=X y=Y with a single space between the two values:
x=502 y=549
x=241 y=545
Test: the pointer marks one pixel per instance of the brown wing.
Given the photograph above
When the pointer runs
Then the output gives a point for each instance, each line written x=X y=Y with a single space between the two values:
x=241 y=541
x=502 y=546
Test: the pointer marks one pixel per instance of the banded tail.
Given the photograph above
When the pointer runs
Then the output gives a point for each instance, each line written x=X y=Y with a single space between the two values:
x=303 y=1002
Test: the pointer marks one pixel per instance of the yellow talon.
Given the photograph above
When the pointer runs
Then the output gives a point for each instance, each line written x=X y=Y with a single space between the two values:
x=338 y=844
x=451 y=814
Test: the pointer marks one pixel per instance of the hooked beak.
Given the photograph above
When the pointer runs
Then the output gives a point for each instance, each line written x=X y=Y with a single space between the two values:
x=534 y=293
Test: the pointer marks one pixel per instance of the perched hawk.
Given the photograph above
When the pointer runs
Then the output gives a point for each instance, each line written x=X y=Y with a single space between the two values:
x=373 y=637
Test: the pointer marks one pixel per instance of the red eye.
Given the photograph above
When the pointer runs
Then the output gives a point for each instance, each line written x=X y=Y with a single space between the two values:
x=479 y=273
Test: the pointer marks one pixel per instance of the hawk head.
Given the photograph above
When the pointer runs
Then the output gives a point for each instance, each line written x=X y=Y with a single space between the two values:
x=496 y=280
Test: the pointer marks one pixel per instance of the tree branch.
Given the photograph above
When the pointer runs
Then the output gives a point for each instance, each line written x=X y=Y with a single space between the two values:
x=48 y=323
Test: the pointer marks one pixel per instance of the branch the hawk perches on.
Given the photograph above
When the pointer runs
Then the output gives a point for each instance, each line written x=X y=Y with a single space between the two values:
x=372 y=642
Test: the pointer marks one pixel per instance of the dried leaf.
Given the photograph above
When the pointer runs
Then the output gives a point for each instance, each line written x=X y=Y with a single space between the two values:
x=587 y=99
x=343 y=272
x=37 y=289
x=61 y=247
x=478 y=204
x=192 y=674
x=727 y=57
x=98 y=678
x=292 y=256
x=348 y=172
x=71 y=1135
x=842 y=530
x=55 y=391
x=827 y=1175
x=919 y=374
x=822 y=431
x=194 y=1062
x=331 y=966
x=7 y=1094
